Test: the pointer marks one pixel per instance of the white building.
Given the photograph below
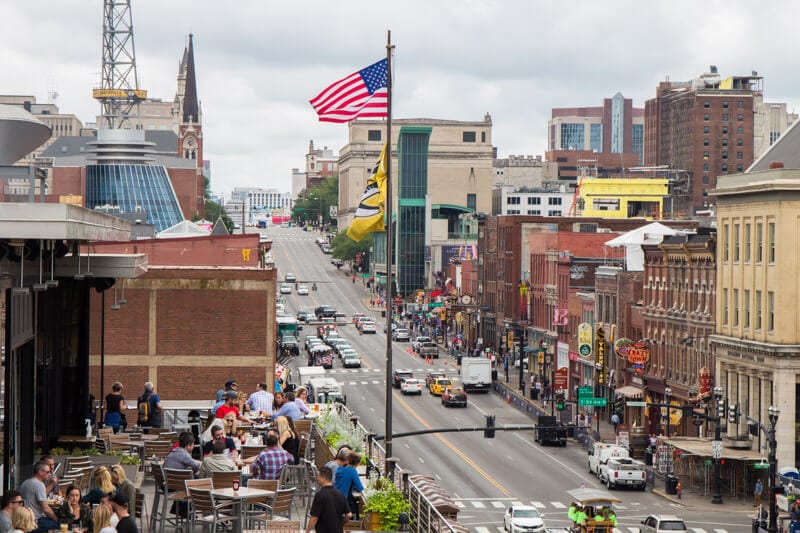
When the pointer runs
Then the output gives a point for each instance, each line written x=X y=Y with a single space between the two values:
x=258 y=202
x=550 y=200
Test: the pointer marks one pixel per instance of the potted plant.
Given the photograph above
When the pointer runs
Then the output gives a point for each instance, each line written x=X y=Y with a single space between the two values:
x=384 y=504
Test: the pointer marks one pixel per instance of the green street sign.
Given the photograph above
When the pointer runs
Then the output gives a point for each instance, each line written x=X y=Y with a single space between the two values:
x=585 y=391
x=592 y=402
x=761 y=466
x=708 y=462
x=636 y=404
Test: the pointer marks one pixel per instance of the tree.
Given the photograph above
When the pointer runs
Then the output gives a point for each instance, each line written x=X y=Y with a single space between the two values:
x=215 y=210
x=346 y=248
x=317 y=200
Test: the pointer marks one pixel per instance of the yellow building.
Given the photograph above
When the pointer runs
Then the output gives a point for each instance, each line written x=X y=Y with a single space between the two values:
x=757 y=338
x=623 y=198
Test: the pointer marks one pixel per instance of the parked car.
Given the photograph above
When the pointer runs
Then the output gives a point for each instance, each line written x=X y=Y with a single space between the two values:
x=399 y=375
x=401 y=335
x=454 y=396
x=411 y=386
x=438 y=386
x=663 y=524
x=367 y=326
x=350 y=359
x=624 y=473
x=286 y=288
x=302 y=290
x=522 y=519
x=290 y=278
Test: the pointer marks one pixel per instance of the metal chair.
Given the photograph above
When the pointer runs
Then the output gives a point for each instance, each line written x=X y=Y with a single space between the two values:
x=104 y=433
x=281 y=508
x=77 y=463
x=226 y=479
x=171 y=437
x=294 y=476
x=354 y=525
x=302 y=446
x=208 y=512
x=140 y=513
x=303 y=425
x=280 y=526
x=155 y=450
x=251 y=451
x=175 y=490
x=156 y=515
x=100 y=445
x=85 y=478
x=119 y=442
x=262 y=510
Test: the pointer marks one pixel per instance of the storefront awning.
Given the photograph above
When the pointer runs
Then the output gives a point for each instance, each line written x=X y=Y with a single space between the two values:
x=702 y=448
x=629 y=391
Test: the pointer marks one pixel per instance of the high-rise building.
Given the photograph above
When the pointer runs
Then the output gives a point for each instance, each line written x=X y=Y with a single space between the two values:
x=258 y=202
x=771 y=121
x=574 y=133
x=704 y=129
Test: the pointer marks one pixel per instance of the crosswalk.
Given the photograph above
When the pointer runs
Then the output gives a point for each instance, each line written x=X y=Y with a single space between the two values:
x=487 y=503
x=621 y=529
x=417 y=371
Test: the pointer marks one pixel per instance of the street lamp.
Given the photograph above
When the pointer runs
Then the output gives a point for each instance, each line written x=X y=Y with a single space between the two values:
x=773 y=412
x=521 y=362
x=668 y=396
x=716 y=447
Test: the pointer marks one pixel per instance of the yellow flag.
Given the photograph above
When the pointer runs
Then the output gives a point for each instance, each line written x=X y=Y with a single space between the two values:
x=369 y=215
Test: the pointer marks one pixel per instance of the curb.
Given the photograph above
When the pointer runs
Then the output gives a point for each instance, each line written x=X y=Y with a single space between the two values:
x=669 y=497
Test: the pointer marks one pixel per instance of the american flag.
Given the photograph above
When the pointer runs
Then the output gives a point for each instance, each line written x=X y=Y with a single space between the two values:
x=361 y=94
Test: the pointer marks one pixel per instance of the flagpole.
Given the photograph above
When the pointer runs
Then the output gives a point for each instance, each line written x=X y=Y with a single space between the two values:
x=389 y=258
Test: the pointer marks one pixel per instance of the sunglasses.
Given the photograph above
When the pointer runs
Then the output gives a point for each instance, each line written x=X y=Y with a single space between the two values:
x=20 y=502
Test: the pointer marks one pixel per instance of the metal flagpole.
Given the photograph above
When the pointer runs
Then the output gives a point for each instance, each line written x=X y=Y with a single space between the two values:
x=389 y=236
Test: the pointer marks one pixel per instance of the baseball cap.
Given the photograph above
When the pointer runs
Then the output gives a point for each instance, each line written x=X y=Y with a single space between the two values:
x=119 y=498
x=230 y=383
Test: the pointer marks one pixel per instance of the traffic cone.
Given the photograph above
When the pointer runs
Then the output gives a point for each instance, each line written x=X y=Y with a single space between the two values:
x=508 y=397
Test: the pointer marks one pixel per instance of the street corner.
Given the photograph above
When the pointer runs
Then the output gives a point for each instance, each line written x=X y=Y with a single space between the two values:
x=668 y=497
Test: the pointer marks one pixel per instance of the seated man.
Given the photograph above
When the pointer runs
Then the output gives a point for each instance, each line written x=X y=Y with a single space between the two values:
x=217 y=461
x=180 y=458
x=268 y=464
x=228 y=446
x=34 y=494
x=230 y=407
x=289 y=408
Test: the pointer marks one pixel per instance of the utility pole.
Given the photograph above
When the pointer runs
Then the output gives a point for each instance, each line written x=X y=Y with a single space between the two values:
x=716 y=447
x=772 y=442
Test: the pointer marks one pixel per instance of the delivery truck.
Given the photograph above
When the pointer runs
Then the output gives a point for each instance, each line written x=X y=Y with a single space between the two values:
x=476 y=374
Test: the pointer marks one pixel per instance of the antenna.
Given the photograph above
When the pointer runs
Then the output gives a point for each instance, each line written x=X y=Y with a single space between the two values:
x=119 y=89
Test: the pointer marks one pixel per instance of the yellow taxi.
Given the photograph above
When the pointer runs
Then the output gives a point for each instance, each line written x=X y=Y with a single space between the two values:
x=438 y=385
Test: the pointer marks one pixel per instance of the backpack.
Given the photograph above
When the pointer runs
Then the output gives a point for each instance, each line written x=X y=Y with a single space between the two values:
x=144 y=409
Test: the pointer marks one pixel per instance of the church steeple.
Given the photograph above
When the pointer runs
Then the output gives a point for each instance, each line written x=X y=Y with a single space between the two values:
x=191 y=108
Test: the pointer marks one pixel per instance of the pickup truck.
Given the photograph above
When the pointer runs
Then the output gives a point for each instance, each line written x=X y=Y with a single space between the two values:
x=624 y=473
x=429 y=349
x=419 y=341
x=550 y=431
x=601 y=452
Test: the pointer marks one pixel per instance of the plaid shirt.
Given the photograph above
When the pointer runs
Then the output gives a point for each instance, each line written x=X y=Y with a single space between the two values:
x=261 y=401
x=268 y=464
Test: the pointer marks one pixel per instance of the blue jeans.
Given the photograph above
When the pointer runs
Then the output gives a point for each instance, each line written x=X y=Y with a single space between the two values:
x=44 y=524
x=112 y=421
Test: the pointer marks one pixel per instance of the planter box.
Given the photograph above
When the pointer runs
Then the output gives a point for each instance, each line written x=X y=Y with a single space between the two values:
x=372 y=522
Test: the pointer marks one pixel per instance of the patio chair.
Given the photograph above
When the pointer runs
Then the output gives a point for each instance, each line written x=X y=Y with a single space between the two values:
x=281 y=508
x=207 y=511
x=156 y=514
x=175 y=490
x=155 y=449
x=77 y=463
x=354 y=525
x=100 y=445
x=104 y=433
x=140 y=512
x=251 y=451
x=119 y=442
x=224 y=480
x=265 y=502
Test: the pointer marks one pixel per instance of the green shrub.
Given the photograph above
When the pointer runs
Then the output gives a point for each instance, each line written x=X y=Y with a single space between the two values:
x=387 y=501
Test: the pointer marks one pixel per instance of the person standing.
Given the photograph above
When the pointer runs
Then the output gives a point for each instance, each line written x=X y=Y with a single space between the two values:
x=230 y=386
x=115 y=404
x=329 y=509
x=34 y=495
x=757 y=491
x=12 y=500
x=348 y=482
x=149 y=405
x=615 y=422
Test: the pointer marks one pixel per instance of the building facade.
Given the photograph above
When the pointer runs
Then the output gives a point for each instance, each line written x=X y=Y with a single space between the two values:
x=550 y=200
x=757 y=337
x=518 y=171
x=622 y=198
x=770 y=122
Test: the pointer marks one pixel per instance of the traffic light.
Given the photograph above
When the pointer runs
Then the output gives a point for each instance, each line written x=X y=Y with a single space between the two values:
x=560 y=400
x=488 y=433
x=733 y=414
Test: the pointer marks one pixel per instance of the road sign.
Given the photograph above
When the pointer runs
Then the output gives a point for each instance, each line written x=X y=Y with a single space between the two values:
x=592 y=402
x=761 y=466
x=585 y=350
x=636 y=404
x=716 y=449
x=585 y=392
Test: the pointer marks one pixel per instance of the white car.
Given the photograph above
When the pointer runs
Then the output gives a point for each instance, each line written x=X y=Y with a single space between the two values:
x=522 y=519
x=401 y=335
x=302 y=290
x=411 y=386
x=286 y=288
x=662 y=524
x=351 y=360
x=368 y=327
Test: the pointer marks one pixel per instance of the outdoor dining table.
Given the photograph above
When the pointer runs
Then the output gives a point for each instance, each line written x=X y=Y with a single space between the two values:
x=238 y=498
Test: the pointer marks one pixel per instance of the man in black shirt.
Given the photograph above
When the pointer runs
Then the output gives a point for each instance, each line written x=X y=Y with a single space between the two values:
x=329 y=510
x=126 y=524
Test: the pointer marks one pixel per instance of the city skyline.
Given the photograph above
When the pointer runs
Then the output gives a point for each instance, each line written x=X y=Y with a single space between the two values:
x=257 y=67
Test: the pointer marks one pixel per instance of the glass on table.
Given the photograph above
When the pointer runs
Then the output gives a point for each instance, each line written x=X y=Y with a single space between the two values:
x=235 y=485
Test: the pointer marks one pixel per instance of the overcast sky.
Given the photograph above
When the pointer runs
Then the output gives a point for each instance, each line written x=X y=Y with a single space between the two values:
x=259 y=62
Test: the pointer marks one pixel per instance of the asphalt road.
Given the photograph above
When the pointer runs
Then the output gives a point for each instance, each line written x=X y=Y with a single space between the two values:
x=483 y=475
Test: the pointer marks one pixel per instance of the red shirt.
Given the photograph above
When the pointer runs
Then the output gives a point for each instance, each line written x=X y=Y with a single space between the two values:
x=223 y=410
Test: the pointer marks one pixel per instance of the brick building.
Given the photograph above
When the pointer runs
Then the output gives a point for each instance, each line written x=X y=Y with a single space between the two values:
x=703 y=127
x=202 y=314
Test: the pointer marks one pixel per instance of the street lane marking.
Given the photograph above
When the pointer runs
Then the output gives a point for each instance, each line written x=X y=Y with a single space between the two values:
x=701 y=530
x=516 y=502
x=538 y=505
x=558 y=505
x=577 y=474
x=479 y=505
x=421 y=460
x=460 y=504
x=454 y=449
x=498 y=505
x=482 y=529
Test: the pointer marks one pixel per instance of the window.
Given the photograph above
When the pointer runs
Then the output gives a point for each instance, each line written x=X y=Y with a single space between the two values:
x=705 y=142
x=746 y=318
x=554 y=200
x=736 y=243
x=726 y=241
x=724 y=167
x=725 y=117
x=706 y=104
x=513 y=211
x=512 y=200
x=739 y=130
x=534 y=212
x=472 y=202
x=468 y=136
x=596 y=137
x=735 y=318
x=771 y=241
x=534 y=200
x=740 y=117
x=724 y=307
x=740 y=104
x=725 y=104
x=739 y=155
x=705 y=167
x=724 y=142
x=724 y=154
x=759 y=242
x=572 y=136
x=770 y=311
x=483 y=136
x=724 y=130
x=739 y=168
x=605 y=204
x=706 y=117
x=706 y=130
x=554 y=213
x=747 y=243
x=758 y=311
x=373 y=135
x=705 y=180
x=705 y=155
x=739 y=142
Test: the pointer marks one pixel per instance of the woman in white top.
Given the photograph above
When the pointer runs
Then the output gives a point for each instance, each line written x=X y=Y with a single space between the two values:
x=102 y=520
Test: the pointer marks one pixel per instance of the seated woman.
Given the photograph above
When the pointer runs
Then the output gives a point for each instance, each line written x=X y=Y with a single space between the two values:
x=103 y=485
x=74 y=513
x=124 y=485
x=288 y=438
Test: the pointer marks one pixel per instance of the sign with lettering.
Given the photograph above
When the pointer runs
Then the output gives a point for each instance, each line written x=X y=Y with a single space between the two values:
x=600 y=355
x=585 y=339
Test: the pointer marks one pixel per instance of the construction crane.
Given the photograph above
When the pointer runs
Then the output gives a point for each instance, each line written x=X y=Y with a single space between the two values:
x=119 y=91
x=584 y=166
